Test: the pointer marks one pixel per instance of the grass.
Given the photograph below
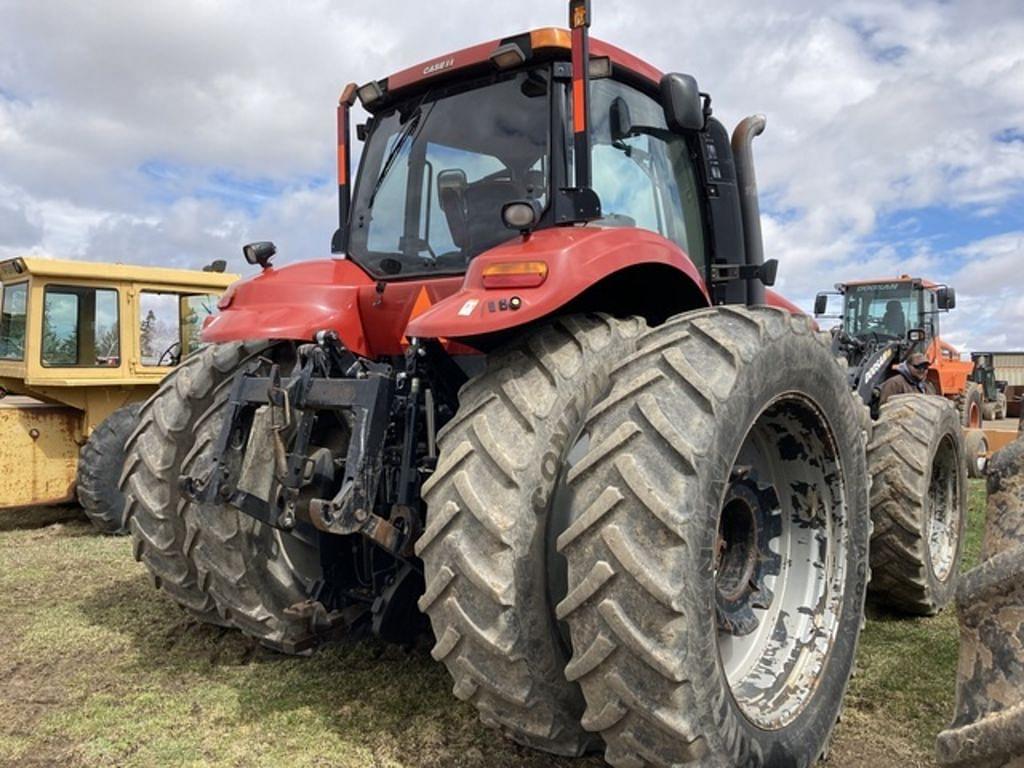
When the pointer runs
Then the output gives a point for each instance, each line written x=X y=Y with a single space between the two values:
x=100 y=670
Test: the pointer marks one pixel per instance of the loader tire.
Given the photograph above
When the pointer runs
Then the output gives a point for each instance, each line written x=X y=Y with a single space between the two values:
x=730 y=450
x=918 y=466
x=971 y=404
x=489 y=506
x=995 y=410
x=100 y=463
x=261 y=579
x=154 y=454
x=976 y=450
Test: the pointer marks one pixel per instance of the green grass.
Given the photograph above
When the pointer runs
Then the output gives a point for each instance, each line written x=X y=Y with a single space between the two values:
x=99 y=669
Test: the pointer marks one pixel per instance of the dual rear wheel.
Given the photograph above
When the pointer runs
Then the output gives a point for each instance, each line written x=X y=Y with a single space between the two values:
x=670 y=551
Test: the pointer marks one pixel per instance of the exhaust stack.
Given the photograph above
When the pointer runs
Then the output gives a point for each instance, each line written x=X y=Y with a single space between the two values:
x=743 y=155
x=339 y=243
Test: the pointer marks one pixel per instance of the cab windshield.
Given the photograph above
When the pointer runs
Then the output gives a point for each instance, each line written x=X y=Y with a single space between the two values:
x=885 y=310
x=437 y=169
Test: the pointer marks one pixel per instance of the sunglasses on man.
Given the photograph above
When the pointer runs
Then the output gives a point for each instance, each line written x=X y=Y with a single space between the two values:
x=921 y=366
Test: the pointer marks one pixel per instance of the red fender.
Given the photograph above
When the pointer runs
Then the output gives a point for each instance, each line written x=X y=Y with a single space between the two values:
x=296 y=301
x=576 y=257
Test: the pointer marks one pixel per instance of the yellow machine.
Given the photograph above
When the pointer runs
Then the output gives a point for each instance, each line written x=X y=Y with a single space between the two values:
x=82 y=345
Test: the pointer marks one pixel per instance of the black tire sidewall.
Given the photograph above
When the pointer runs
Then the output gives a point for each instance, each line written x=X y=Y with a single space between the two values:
x=106 y=463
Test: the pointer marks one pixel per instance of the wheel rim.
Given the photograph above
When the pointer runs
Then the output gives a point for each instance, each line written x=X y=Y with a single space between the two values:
x=981 y=458
x=944 y=511
x=781 y=561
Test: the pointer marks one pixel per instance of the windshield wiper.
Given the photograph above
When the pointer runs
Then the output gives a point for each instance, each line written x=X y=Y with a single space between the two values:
x=415 y=121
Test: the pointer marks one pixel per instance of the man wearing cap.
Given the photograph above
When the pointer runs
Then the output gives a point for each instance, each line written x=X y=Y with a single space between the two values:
x=911 y=379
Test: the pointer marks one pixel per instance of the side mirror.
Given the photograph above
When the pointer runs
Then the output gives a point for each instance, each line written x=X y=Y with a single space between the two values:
x=682 y=102
x=916 y=335
x=620 y=122
x=451 y=194
x=820 y=304
x=451 y=181
x=259 y=253
x=946 y=297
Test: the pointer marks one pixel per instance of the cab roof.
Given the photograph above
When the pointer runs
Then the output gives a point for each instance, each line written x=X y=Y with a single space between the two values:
x=24 y=266
x=900 y=279
x=550 y=42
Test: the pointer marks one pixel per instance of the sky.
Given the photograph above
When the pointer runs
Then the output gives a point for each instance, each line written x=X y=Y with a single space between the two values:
x=171 y=133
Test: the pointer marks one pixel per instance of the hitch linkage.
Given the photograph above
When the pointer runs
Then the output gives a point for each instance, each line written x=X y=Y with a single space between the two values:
x=266 y=412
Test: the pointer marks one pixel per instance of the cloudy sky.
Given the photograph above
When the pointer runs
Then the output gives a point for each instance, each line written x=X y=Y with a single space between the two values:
x=172 y=132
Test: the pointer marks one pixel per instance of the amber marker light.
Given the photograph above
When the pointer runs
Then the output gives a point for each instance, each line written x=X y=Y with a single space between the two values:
x=515 y=274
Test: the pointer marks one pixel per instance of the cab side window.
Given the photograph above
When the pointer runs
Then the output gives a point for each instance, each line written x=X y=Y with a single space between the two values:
x=642 y=171
x=170 y=325
x=12 y=321
x=81 y=327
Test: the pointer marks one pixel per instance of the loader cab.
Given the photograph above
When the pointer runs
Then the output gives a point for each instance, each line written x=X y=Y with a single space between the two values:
x=69 y=328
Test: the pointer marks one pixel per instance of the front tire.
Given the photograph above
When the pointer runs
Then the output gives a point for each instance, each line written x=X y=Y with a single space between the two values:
x=918 y=467
x=262 y=580
x=719 y=535
x=154 y=455
x=100 y=464
x=485 y=548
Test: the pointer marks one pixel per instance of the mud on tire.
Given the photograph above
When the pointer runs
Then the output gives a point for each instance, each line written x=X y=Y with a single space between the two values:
x=485 y=547
x=154 y=454
x=100 y=464
x=715 y=407
x=261 y=579
x=918 y=466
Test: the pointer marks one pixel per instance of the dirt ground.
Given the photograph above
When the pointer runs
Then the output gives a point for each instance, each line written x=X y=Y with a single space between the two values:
x=98 y=669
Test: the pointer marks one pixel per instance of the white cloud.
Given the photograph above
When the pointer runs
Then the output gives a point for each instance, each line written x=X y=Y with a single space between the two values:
x=119 y=121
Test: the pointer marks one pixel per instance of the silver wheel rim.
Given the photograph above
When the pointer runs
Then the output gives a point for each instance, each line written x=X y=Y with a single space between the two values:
x=943 y=509
x=795 y=597
x=980 y=457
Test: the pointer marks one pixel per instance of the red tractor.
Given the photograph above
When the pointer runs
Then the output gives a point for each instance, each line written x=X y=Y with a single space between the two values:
x=540 y=395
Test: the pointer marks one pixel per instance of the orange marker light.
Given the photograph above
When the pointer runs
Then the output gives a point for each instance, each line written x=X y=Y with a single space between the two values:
x=550 y=37
x=515 y=274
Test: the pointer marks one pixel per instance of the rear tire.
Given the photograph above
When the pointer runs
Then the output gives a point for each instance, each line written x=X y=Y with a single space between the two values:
x=100 y=464
x=971 y=404
x=676 y=666
x=154 y=455
x=976 y=450
x=918 y=468
x=485 y=548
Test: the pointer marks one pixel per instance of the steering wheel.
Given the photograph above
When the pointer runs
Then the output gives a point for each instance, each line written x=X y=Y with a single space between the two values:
x=172 y=354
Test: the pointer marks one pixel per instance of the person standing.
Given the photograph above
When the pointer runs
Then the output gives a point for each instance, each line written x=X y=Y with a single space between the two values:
x=911 y=378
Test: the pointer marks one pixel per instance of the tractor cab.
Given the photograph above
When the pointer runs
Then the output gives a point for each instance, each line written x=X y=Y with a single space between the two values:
x=452 y=171
x=501 y=184
x=883 y=321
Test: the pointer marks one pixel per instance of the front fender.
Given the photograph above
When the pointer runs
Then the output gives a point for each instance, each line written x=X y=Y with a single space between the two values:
x=577 y=258
x=293 y=302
